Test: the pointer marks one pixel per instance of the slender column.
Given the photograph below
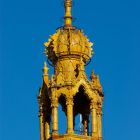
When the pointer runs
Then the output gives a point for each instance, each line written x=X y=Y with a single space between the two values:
x=99 y=116
x=85 y=122
x=41 y=119
x=47 y=130
x=93 y=107
x=54 y=106
x=69 y=104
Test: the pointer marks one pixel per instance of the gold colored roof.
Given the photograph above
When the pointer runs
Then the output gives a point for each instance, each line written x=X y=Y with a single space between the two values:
x=68 y=42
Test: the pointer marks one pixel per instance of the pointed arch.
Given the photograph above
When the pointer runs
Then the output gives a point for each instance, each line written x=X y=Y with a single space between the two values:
x=62 y=114
x=62 y=102
x=82 y=106
x=87 y=89
x=81 y=101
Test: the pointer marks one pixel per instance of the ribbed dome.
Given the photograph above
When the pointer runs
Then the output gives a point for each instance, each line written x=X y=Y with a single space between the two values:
x=68 y=42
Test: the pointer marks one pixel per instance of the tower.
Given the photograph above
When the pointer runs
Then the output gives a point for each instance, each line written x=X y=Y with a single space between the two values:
x=69 y=50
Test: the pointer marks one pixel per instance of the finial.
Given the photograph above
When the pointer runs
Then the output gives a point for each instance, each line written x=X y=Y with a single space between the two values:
x=68 y=16
x=95 y=81
x=45 y=69
x=45 y=65
x=92 y=75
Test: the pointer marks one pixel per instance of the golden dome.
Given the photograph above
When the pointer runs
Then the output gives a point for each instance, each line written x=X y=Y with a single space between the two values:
x=68 y=42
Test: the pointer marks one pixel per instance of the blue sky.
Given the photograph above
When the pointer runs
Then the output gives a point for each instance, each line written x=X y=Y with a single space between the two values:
x=113 y=26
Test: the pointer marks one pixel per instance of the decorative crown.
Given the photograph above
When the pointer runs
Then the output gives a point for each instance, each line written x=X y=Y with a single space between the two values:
x=68 y=41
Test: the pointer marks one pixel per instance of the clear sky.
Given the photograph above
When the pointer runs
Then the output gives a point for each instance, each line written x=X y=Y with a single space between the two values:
x=113 y=26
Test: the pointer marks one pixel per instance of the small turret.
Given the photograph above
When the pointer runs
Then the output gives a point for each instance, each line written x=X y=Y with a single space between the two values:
x=92 y=77
x=95 y=81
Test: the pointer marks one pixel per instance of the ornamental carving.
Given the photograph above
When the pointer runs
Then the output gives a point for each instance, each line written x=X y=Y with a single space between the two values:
x=68 y=42
x=54 y=102
x=99 y=111
x=69 y=101
x=95 y=82
x=93 y=104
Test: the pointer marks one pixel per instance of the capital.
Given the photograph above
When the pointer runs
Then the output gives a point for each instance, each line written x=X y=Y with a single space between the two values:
x=93 y=104
x=69 y=101
x=54 y=102
x=99 y=111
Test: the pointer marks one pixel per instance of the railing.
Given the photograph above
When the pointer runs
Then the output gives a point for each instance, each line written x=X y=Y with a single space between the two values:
x=82 y=132
x=79 y=132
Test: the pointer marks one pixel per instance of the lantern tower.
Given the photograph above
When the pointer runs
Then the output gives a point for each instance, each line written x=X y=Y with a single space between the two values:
x=69 y=50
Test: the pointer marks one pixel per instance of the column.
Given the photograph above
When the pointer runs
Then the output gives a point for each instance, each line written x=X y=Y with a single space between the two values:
x=69 y=104
x=54 y=106
x=85 y=122
x=47 y=129
x=41 y=119
x=99 y=116
x=93 y=108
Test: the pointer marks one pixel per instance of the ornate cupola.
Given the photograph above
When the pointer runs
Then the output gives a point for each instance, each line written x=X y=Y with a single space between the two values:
x=69 y=51
x=68 y=41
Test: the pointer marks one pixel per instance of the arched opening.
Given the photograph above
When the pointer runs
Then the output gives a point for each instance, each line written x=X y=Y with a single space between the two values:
x=81 y=112
x=62 y=120
x=78 y=125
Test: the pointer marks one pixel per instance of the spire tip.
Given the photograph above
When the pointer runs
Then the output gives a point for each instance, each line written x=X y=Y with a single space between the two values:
x=68 y=16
